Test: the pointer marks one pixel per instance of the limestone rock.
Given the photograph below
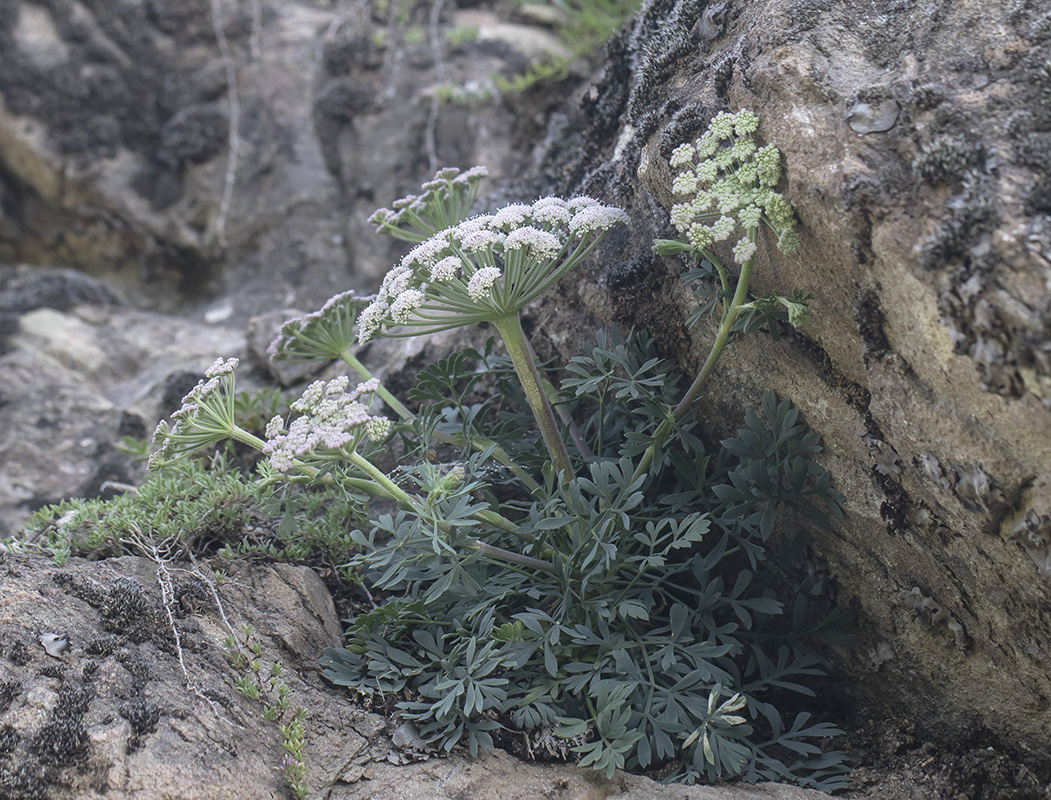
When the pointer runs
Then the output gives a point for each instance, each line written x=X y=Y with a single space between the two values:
x=115 y=715
x=72 y=383
x=915 y=143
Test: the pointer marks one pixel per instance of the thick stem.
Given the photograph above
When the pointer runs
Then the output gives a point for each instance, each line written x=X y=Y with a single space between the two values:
x=510 y=329
x=478 y=443
x=244 y=437
x=563 y=414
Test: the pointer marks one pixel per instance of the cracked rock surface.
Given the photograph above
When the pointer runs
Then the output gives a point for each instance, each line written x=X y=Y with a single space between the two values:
x=915 y=141
x=131 y=709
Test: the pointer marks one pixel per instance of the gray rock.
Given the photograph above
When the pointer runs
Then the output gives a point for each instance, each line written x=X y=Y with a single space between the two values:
x=925 y=246
x=73 y=383
x=126 y=710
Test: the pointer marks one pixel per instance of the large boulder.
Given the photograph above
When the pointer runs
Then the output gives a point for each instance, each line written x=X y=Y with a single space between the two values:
x=916 y=144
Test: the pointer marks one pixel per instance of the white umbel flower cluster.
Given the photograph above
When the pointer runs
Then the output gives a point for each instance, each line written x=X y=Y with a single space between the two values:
x=488 y=266
x=332 y=423
x=729 y=186
x=205 y=418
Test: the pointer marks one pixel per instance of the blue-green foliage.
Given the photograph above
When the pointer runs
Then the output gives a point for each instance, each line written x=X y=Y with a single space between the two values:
x=661 y=636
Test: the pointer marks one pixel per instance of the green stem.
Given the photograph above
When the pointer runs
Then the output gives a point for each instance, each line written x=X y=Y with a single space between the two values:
x=563 y=414
x=389 y=488
x=515 y=558
x=722 y=337
x=478 y=443
x=392 y=489
x=510 y=329
x=244 y=437
x=418 y=508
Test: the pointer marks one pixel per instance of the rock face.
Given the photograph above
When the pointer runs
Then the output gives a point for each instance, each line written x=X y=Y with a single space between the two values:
x=916 y=143
x=79 y=371
x=232 y=149
x=132 y=704
x=103 y=695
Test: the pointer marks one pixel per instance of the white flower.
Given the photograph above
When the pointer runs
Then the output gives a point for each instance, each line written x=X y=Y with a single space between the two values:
x=722 y=228
x=395 y=282
x=682 y=156
x=333 y=437
x=281 y=460
x=596 y=217
x=744 y=250
x=551 y=213
x=750 y=216
x=310 y=398
x=446 y=269
x=682 y=216
x=368 y=387
x=221 y=367
x=541 y=242
x=355 y=415
x=706 y=146
x=474 y=173
x=381 y=216
x=481 y=282
x=370 y=319
x=743 y=149
x=274 y=427
x=511 y=216
x=722 y=126
x=707 y=171
x=684 y=183
x=479 y=240
x=404 y=304
x=479 y=223
x=547 y=202
x=337 y=385
x=426 y=252
x=577 y=203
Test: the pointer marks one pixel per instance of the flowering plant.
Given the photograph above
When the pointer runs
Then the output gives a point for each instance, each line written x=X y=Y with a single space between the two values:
x=618 y=597
x=487 y=267
x=443 y=201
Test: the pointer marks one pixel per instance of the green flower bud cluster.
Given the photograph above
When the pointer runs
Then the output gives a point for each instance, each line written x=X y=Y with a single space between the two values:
x=444 y=201
x=729 y=183
x=325 y=334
